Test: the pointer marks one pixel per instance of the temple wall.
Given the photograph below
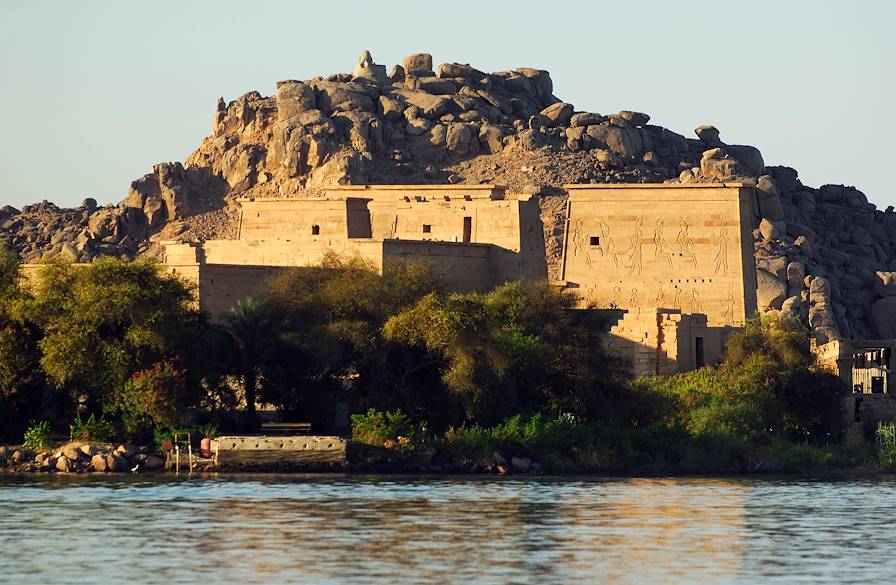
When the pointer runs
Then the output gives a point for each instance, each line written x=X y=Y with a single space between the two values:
x=295 y=219
x=664 y=341
x=685 y=247
x=466 y=267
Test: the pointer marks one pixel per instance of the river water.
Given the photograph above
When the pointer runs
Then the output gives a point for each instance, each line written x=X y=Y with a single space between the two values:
x=350 y=529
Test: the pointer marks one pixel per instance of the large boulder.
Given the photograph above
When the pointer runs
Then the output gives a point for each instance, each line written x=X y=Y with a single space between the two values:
x=341 y=96
x=116 y=463
x=768 y=198
x=429 y=106
x=796 y=274
x=459 y=139
x=98 y=462
x=491 y=139
x=708 y=135
x=462 y=70
x=293 y=98
x=419 y=64
x=883 y=313
x=770 y=291
x=558 y=114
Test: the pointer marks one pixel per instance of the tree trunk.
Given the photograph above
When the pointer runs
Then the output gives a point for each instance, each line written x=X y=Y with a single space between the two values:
x=250 y=382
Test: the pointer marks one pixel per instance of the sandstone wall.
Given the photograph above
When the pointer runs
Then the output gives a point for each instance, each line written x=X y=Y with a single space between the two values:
x=685 y=247
x=467 y=267
x=660 y=341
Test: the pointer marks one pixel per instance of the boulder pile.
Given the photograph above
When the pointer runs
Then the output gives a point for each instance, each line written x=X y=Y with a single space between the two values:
x=825 y=254
x=79 y=457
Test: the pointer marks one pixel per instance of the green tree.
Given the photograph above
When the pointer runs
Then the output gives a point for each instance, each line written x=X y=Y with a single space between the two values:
x=335 y=314
x=21 y=382
x=517 y=348
x=104 y=321
x=253 y=344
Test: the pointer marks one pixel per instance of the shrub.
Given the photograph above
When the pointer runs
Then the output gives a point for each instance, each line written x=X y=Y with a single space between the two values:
x=38 y=435
x=92 y=429
x=394 y=430
x=150 y=398
x=886 y=443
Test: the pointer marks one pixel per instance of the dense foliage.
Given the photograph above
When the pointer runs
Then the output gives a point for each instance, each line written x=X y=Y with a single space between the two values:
x=768 y=383
x=104 y=321
x=118 y=348
x=516 y=348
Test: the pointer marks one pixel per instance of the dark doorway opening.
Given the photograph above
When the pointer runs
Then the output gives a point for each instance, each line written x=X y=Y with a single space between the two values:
x=699 y=359
x=468 y=230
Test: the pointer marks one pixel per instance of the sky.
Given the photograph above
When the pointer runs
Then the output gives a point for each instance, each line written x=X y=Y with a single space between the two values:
x=93 y=93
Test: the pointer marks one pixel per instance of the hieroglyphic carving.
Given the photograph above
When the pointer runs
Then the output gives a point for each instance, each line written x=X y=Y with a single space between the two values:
x=660 y=248
x=634 y=257
x=686 y=246
x=720 y=242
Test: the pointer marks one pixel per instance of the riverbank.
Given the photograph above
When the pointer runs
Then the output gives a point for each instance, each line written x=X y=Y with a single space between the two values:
x=772 y=459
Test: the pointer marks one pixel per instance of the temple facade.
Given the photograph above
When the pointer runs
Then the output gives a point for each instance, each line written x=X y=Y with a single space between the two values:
x=672 y=262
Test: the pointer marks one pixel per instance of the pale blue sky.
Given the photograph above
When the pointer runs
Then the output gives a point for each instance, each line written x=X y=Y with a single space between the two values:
x=95 y=92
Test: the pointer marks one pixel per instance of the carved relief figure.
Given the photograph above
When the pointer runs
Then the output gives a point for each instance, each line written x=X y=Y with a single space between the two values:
x=591 y=298
x=633 y=300
x=676 y=300
x=660 y=296
x=696 y=305
x=578 y=242
x=614 y=299
x=635 y=257
x=660 y=248
x=720 y=242
x=577 y=238
x=686 y=246
x=729 y=307
x=607 y=245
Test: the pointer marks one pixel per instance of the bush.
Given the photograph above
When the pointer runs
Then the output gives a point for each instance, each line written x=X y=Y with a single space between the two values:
x=92 y=429
x=38 y=435
x=559 y=441
x=393 y=430
x=886 y=443
x=768 y=383
x=150 y=398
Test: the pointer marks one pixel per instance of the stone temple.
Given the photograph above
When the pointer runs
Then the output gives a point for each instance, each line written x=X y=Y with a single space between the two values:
x=673 y=261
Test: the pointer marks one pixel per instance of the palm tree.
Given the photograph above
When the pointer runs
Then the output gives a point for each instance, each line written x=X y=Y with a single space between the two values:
x=253 y=336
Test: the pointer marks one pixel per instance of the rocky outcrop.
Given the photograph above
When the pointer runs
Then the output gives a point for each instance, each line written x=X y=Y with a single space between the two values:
x=77 y=457
x=422 y=123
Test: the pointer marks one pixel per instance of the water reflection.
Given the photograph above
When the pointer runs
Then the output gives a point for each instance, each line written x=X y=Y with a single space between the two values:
x=335 y=529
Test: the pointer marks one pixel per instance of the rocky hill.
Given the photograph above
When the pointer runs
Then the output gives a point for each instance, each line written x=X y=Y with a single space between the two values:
x=825 y=253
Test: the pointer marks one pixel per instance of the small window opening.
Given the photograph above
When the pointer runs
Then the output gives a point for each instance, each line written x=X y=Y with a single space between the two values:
x=595 y=240
x=427 y=229
x=315 y=230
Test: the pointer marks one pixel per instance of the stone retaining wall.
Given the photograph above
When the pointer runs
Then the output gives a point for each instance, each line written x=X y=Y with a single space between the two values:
x=310 y=452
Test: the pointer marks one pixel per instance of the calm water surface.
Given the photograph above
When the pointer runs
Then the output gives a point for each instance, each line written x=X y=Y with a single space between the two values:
x=334 y=529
